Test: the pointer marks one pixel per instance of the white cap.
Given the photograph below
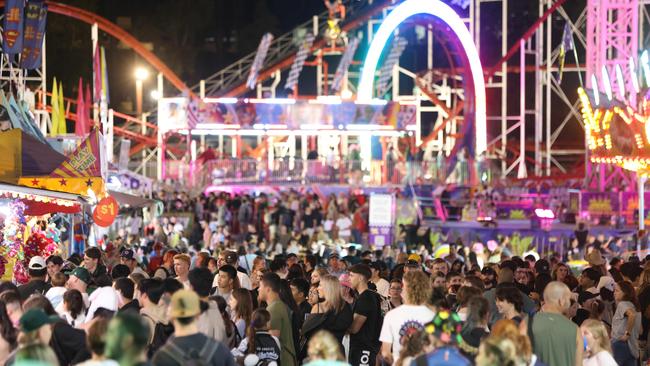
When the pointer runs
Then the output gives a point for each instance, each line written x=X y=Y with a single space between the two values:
x=37 y=262
x=606 y=282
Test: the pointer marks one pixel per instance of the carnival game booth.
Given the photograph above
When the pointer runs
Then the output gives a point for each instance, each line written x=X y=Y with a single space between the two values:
x=41 y=185
x=27 y=218
x=258 y=140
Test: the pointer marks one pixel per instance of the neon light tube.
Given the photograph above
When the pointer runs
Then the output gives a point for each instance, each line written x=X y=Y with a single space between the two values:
x=272 y=101
x=221 y=100
x=442 y=11
x=607 y=85
x=594 y=84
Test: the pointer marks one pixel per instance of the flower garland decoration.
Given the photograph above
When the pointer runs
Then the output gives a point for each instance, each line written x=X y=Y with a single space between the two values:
x=38 y=244
x=12 y=234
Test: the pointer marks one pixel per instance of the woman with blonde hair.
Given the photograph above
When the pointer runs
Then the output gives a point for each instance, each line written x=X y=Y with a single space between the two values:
x=599 y=350
x=330 y=313
x=506 y=328
x=497 y=351
x=325 y=350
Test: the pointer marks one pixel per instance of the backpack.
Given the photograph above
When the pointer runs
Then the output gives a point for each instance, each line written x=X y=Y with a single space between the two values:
x=191 y=357
x=384 y=305
x=161 y=333
x=267 y=349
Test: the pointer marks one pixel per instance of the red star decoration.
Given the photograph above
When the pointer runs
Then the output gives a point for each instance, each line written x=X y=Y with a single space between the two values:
x=62 y=182
x=89 y=183
x=34 y=182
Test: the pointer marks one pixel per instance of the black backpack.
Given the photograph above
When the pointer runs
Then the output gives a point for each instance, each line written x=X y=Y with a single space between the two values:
x=191 y=357
x=161 y=333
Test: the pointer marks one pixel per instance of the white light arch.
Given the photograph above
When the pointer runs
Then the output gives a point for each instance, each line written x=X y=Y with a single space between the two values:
x=442 y=11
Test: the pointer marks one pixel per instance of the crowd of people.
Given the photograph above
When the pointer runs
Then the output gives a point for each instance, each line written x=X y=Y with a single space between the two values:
x=266 y=282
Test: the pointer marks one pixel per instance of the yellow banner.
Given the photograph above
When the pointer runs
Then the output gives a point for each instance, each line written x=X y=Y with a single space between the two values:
x=78 y=186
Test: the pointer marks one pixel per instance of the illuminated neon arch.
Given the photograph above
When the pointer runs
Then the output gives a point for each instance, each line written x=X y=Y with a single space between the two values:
x=442 y=11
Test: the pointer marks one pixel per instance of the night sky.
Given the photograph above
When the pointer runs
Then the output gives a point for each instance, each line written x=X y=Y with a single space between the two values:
x=196 y=38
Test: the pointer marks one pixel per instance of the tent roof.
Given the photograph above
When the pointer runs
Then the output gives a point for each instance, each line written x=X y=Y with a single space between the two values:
x=129 y=200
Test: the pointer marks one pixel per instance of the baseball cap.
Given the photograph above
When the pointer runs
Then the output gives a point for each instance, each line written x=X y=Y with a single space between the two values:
x=81 y=273
x=606 y=282
x=361 y=269
x=334 y=255
x=127 y=254
x=185 y=304
x=37 y=262
x=415 y=257
x=230 y=256
x=344 y=279
x=542 y=266
x=36 y=318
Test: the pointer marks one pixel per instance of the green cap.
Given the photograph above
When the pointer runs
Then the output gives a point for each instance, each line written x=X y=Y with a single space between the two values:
x=36 y=318
x=81 y=273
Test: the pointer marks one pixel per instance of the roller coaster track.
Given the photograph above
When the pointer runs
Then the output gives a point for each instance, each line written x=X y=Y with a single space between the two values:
x=231 y=81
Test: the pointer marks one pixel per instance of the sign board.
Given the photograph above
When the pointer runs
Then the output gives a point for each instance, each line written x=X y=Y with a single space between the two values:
x=105 y=211
x=172 y=113
x=381 y=210
x=380 y=220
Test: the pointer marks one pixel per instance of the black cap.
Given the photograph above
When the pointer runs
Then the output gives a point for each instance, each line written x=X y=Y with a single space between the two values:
x=542 y=266
x=127 y=254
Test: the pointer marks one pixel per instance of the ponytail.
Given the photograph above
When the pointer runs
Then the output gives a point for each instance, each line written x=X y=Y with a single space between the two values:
x=259 y=321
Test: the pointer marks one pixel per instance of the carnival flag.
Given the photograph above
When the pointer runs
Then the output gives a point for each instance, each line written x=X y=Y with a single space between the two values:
x=566 y=46
x=104 y=76
x=35 y=20
x=88 y=101
x=386 y=71
x=81 y=124
x=299 y=62
x=345 y=62
x=84 y=161
x=97 y=74
x=258 y=62
x=13 y=27
x=63 y=128
x=55 y=109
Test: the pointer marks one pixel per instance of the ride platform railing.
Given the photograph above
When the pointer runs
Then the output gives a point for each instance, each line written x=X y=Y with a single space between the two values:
x=297 y=171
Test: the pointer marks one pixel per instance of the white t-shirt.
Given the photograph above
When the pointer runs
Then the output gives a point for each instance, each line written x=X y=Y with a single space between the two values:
x=103 y=297
x=244 y=281
x=602 y=358
x=344 y=223
x=382 y=287
x=402 y=321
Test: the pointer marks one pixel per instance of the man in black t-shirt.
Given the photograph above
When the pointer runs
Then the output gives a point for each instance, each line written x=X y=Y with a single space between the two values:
x=364 y=331
x=37 y=273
